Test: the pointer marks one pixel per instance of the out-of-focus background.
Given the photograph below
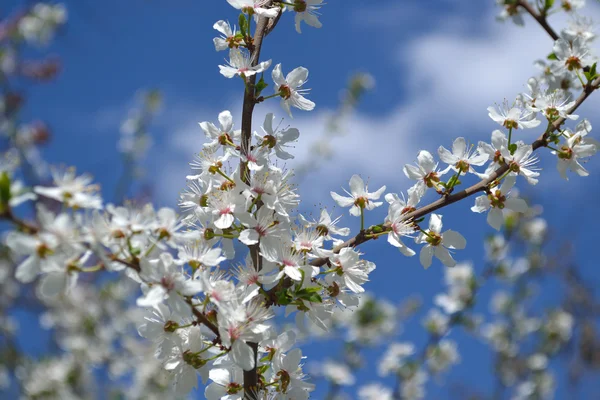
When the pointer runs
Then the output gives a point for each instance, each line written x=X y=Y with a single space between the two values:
x=435 y=65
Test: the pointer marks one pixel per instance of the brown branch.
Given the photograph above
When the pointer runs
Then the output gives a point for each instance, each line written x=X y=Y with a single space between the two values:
x=539 y=17
x=249 y=99
x=128 y=264
x=203 y=319
x=263 y=28
x=21 y=224
x=476 y=188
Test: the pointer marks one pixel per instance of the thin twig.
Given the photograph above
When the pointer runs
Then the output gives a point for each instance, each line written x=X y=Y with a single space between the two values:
x=540 y=18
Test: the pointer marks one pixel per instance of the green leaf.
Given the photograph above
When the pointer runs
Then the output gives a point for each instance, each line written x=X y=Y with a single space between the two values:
x=260 y=85
x=377 y=229
x=315 y=298
x=548 y=4
x=243 y=22
x=552 y=56
x=591 y=74
x=283 y=298
x=4 y=191
x=310 y=294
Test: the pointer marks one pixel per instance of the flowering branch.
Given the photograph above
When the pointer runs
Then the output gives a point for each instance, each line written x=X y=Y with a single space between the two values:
x=482 y=185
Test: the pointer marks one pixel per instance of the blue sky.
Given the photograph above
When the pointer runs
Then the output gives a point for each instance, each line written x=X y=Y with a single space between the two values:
x=438 y=65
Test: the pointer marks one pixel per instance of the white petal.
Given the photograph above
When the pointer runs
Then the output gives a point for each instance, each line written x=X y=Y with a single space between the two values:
x=249 y=237
x=459 y=147
x=297 y=77
x=226 y=121
x=453 y=240
x=357 y=186
x=412 y=172
x=495 y=218
x=53 y=284
x=435 y=223
x=224 y=221
x=221 y=376
x=243 y=355
x=444 y=256
x=293 y=273
x=482 y=204
x=446 y=156
x=426 y=161
x=341 y=200
x=426 y=256
x=516 y=204
x=28 y=269
x=277 y=76
x=153 y=297
x=223 y=27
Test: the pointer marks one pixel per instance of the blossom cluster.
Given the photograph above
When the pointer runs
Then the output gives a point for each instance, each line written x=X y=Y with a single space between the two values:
x=213 y=277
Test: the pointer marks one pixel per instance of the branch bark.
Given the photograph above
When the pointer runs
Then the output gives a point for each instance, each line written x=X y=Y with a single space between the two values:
x=263 y=28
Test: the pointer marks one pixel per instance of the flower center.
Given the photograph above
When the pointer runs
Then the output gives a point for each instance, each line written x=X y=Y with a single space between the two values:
x=322 y=230
x=434 y=239
x=233 y=42
x=300 y=6
x=573 y=63
x=285 y=91
x=43 y=250
x=431 y=179
x=226 y=211
x=284 y=378
x=233 y=388
x=497 y=199
x=262 y=231
x=361 y=202
x=498 y=157
x=168 y=283
x=462 y=166
x=170 y=326
x=566 y=153
x=269 y=141
x=225 y=139
x=510 y=124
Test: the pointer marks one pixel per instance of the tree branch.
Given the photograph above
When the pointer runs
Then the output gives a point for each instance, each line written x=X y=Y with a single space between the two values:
x=540 y=18
x=263 y=28
x=203 y=319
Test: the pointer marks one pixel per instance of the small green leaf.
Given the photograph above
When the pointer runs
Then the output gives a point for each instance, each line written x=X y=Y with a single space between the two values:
x=552 y=56
x=315 y=298
x=310 y=294
x=260 y=85
x=591 y=74
x=548 y=4
x=243 y=24
x=4 y=191
x=512 y=148
x=283 y=298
